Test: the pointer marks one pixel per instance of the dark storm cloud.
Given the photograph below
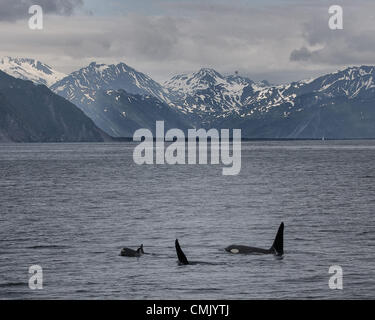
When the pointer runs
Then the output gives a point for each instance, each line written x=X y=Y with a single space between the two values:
x=11 y=10
x=302 y=54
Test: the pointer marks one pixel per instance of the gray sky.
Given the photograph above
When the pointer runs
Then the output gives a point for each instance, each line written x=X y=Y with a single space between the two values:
x=279 y=41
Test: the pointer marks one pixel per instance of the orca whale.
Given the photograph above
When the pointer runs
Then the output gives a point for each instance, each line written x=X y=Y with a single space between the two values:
x=277 y=247
x=127 y=252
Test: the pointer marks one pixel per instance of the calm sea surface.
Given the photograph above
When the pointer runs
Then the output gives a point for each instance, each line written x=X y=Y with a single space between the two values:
x=70 y=208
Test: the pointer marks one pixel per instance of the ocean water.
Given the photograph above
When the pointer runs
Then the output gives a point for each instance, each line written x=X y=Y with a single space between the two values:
x=70 y=208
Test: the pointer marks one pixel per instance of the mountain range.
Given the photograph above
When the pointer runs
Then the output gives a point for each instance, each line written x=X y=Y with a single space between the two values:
x=120 y=99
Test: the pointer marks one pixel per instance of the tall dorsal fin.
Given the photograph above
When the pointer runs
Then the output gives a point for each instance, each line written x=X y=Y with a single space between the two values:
x=180 y=254
x=278 y=243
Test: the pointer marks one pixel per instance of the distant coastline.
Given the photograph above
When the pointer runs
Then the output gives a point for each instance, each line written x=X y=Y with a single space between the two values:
x=127 y=139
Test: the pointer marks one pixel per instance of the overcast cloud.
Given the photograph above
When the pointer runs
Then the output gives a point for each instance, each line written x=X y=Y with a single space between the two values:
x=278 y=41
x=11 y=10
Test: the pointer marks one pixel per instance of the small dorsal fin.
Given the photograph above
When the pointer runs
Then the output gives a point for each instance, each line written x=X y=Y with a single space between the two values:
x=140 y=249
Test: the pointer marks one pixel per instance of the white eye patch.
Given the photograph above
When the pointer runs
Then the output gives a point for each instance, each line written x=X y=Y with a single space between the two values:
x=234 y=251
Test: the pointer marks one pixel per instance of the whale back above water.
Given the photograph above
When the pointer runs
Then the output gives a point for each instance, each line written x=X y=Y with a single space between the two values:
x=127 y=252
x=277 y=247
x=234 y=248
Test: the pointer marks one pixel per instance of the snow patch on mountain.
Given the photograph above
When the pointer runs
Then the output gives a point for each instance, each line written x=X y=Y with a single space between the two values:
x=30 y=69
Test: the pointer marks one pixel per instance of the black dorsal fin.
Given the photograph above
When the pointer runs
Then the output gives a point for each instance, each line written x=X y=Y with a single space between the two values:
x=141 y=248
x=278 y=244
x=180 y=254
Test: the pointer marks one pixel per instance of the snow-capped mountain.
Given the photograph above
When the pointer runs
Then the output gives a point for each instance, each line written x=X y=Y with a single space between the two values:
x=118 y=98
x=337 y=105
x=350 y=83
x=191 y=83
x=207 y=97
x=81 y=86
x=30 y=69
x=207 y=93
